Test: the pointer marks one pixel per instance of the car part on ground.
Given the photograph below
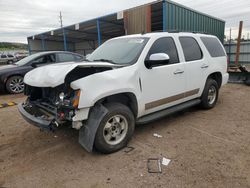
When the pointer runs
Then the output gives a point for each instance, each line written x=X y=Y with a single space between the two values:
x=239 y=74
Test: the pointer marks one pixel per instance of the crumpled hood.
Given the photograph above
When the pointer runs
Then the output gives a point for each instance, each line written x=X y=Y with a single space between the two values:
x=54 y=75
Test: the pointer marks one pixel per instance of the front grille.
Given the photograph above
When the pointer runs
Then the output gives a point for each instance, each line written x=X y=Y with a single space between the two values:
x=43 y=94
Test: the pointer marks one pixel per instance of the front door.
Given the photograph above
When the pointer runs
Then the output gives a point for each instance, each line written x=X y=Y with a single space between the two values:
x=163 y=85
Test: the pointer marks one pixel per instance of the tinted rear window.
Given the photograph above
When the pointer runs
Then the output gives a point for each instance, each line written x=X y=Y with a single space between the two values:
x=66 y=57
x=213 y=46
x=191 y=49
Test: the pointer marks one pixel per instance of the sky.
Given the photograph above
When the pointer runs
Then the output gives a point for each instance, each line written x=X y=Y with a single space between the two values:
x=22 y=18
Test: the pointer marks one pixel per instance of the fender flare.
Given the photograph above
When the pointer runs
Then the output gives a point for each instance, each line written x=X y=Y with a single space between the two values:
x=88 y=131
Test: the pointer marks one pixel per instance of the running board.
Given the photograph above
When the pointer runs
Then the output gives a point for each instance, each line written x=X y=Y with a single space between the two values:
x=157 y=115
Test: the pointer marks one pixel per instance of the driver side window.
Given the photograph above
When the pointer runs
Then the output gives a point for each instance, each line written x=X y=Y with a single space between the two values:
x=165 y=45
x=46 y=59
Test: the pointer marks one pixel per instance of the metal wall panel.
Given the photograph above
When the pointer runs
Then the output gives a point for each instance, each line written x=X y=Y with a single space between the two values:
x=244 y=57
x=180 y=18
x=137 y=20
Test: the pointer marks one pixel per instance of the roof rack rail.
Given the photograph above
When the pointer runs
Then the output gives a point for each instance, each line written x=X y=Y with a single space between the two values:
x=177 y=31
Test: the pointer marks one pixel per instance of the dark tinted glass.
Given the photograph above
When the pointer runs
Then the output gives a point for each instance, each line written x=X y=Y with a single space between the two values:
x=46 y=59
x=191 y=49
x=77 y=58
x=10 y=56
x=165 y=45
x=3 y=56
x=213 y=46
x=66 y=57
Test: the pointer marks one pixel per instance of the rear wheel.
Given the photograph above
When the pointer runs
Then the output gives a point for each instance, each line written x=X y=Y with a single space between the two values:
x=116 y=128
x=15 y=85
x=210 y=94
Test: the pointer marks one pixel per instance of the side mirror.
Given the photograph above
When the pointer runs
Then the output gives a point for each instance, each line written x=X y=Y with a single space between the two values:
x=157 y=60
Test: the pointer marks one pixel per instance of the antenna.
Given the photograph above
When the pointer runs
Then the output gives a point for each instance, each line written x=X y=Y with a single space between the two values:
x=60 y=19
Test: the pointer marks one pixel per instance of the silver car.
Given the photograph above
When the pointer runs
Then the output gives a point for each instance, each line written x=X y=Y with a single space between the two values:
x=7 y=59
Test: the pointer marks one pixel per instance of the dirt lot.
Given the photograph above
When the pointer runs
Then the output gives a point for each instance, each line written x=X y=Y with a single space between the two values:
x=206 y=148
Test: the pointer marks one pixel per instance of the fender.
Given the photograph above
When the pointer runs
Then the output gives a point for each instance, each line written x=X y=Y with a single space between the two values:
x=88 y=131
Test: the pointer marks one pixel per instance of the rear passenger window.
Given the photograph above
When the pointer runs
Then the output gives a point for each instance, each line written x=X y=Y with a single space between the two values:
x=191 y=48
x=165 y=45
x=213 y=46
x=66 y=57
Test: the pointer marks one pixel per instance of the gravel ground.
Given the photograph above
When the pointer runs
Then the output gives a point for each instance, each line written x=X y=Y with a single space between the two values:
x=206 y=148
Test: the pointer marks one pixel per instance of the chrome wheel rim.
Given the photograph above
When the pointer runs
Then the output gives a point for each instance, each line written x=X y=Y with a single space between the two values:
x=16 y=85
x=212 y=93
x=115 y=129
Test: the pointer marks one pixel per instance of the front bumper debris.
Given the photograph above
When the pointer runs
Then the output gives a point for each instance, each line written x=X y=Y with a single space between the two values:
x=38 y=119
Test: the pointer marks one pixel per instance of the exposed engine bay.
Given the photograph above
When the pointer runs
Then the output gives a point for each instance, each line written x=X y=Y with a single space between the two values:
x=59 y=104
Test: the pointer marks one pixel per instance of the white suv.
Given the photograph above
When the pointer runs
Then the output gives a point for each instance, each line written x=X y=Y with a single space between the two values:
x=126 y=81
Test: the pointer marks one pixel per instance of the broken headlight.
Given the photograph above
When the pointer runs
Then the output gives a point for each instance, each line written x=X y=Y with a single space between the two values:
x=70 y=99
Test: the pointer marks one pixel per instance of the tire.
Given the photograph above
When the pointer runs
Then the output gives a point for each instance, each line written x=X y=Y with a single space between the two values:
x=210 y=94
x=10 y=62
x=116 y=128
x=15 y=85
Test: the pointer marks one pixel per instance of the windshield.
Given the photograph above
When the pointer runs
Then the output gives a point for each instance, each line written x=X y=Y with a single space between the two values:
x=119 y=51
x=27 y=59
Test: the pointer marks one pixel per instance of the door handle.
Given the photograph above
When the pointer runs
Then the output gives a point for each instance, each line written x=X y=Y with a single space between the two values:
x=178 y=71
x=204 y=66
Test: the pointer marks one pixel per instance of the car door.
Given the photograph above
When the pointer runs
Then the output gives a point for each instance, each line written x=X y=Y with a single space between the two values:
x=45 y=60
x=196 y=65
x=65 y=57
x=164 y=85
x=3 y=59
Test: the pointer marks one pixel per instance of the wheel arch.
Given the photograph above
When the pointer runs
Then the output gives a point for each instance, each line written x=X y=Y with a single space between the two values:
x=217 y=76
x=127 y=98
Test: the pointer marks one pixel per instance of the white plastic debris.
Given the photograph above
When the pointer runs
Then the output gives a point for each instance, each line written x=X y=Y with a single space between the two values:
x=157 y=135
x=165 y=161
x=55 y=136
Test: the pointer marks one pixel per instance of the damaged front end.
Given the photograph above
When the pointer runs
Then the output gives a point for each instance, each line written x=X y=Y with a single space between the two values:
x=47 y=108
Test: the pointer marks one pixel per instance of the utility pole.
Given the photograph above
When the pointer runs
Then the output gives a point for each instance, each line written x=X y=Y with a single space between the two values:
x=60 y=19
x=238 y=44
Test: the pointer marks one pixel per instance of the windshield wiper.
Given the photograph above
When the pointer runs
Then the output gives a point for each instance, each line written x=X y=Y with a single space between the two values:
x=105 y=60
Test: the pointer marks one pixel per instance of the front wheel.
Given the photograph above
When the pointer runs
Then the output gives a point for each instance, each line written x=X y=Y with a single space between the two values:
x=15 y=85
x=210 y=94
x=10 y=62
x=116 y=128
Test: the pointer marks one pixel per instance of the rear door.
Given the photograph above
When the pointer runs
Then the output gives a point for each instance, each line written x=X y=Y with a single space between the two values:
x=196 y=66
x=164 y=85
x=65 y=57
